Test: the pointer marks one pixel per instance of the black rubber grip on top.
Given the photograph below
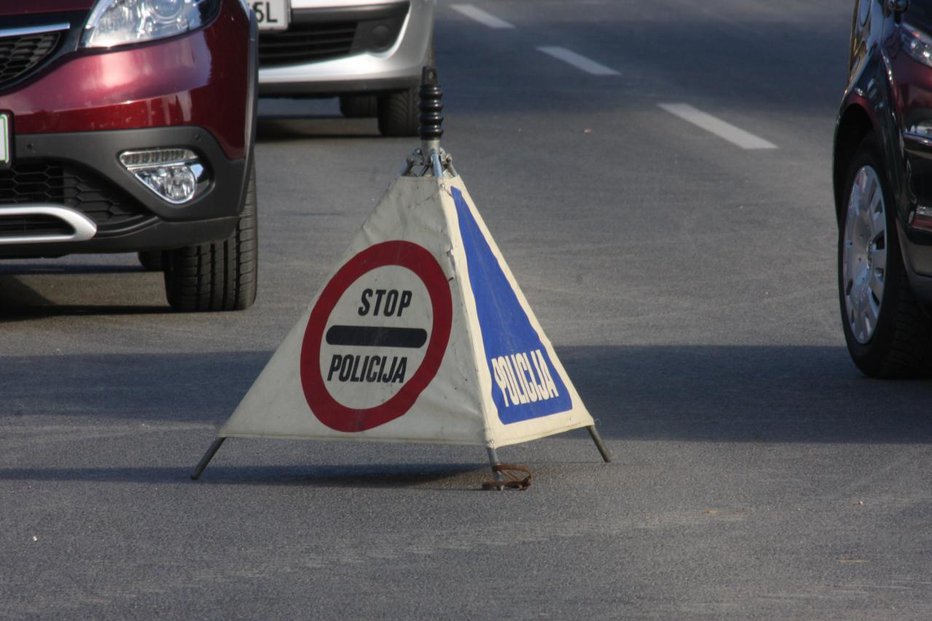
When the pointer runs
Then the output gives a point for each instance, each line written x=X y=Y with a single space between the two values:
x=431 y=105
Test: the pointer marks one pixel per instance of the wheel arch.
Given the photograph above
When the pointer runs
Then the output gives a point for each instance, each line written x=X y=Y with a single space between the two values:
x=853 y=126
x=871 y=106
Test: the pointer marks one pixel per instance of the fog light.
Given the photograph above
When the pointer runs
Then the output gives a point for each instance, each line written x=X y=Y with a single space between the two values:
x=176 y=175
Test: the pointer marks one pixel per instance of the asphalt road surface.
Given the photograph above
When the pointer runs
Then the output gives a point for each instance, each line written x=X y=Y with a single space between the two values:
x=658 y=176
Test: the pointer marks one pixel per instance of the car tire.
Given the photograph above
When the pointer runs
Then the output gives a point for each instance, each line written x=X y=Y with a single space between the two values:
x=886 y=329
x=359 y=106
x=398 y=113
x=152 y=260
x=217 y=276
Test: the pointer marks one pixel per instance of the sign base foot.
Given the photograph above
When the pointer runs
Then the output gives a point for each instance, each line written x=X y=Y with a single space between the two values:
x=599 y=444
x=206 y=458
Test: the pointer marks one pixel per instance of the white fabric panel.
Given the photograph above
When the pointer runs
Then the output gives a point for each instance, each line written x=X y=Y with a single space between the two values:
x=456 y=406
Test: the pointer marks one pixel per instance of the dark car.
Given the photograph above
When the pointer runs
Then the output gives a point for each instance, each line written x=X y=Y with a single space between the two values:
x=883 y=189
x=128 y=126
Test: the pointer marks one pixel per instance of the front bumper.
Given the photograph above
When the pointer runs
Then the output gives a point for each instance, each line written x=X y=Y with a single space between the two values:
x=81 y=172
x=397 y=68
x=72 y=118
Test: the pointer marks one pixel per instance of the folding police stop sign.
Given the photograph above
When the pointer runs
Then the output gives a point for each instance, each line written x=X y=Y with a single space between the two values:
x=420 y=335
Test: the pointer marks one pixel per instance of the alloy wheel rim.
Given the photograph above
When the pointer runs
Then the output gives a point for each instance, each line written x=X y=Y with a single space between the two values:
x=864 y=258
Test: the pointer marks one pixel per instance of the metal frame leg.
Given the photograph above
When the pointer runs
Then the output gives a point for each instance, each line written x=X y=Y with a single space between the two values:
x=206 y=458
x=506 y=475
x=599 y=444
x=493 y=461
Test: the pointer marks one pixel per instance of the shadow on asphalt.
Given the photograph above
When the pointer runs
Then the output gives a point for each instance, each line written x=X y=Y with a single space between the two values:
x=21 y=287
x=298 y=127
x=692 y=393
x=745 y=394
x=344 y=475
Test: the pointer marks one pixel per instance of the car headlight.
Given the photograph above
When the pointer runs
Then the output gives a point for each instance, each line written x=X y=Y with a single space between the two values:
x=916 y=43
x=125 y=22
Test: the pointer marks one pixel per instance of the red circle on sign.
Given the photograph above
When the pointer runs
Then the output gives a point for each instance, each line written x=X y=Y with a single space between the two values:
x=405 y=254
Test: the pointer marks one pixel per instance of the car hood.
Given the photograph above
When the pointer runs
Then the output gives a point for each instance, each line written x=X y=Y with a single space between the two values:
x=34 y=7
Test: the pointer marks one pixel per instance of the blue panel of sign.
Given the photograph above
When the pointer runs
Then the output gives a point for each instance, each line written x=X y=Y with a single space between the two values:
x=525 y=384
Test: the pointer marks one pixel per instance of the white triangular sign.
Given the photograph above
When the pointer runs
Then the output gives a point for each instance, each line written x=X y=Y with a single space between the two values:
x=420 y=335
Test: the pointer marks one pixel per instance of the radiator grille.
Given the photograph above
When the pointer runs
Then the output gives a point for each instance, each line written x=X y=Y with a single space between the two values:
x=311 y=38
x=303 y=43
x=35 y=224
x=110 y=207
x=21 y=54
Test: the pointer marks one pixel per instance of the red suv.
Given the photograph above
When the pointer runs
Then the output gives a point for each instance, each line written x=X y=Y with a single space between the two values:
x=128 y=126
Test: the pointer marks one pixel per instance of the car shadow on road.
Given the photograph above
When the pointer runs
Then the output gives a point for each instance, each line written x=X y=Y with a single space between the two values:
x=720 y=394
x=288 y=128
x=387 y=476
x=767 y=393
x=691 y=393
x=22 y=297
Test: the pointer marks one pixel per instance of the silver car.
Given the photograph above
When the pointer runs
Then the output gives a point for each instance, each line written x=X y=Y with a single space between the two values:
x=369 y=53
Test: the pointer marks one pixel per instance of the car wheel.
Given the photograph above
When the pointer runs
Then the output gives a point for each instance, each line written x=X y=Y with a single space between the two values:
x=217 y=276
x=151 y=260
x=398 y=113
x=359 y=106
x=886 y=329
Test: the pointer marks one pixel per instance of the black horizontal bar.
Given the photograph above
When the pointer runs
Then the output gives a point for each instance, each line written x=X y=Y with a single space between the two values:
x=366 y=336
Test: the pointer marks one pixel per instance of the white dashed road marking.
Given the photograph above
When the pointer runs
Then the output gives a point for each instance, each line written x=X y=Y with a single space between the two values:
x=720 y=128
x=686 y=112
x=580 y=62
x=477 y=14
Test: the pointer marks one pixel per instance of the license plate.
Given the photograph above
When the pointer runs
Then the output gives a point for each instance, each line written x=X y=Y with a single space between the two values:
x=272 y=14
x=4 y=140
